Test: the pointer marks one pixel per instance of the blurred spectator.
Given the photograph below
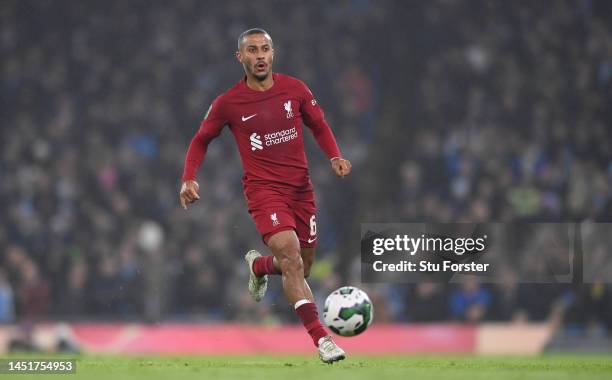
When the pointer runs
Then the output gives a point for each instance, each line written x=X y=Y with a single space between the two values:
x=7 y=307
x=591 y=307
x=535 y=301
x=471 y=302
x=105 y=288
x=428 y=302
x=504 y=300
x=33 y=293
x=75 y=297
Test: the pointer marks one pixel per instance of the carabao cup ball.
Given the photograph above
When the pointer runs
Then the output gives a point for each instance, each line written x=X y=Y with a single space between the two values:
x=348 y=311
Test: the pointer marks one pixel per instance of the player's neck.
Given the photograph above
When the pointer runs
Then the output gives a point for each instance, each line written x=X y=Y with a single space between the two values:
x=257 y=85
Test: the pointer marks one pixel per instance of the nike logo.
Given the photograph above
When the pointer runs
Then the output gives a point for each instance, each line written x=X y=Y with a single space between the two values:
x=248 y=117
x=311 y=240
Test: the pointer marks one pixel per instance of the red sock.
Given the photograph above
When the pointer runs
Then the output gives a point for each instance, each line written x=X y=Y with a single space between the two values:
x=264 y=265
x=310 y=319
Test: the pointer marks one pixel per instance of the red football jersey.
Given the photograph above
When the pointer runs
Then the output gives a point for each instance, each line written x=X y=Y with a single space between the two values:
x=267 y=126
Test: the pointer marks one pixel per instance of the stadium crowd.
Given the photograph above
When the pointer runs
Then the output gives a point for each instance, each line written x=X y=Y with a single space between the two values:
x=477 y=111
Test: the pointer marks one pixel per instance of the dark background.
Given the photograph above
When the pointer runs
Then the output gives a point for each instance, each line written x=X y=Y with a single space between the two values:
x=449 y=111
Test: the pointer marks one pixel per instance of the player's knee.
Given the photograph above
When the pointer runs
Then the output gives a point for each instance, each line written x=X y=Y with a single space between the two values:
x=284 y=247
x=287 y=254
x=291 y=263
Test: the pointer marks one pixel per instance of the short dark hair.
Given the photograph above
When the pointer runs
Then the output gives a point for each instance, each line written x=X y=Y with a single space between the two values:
x=250 y=32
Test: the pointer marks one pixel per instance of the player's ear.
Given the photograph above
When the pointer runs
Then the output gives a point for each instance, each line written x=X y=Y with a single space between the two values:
x=239 y=56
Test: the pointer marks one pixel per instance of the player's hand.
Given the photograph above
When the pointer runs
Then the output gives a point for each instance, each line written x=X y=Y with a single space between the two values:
x=340 y=166
x=189 y=193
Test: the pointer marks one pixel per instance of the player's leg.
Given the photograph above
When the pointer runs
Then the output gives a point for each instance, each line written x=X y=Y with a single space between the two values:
x=262 y=206
x=307 y=258
x=261 y=266
x=258 y=280
x=285 y=248
x=308 y=254
x=276 y=222
x=271 y=214
x=328 y=349
x=306 y=229
x=301 y=217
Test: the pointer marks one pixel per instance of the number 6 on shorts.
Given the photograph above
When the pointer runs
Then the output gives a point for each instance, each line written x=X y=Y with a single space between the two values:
x=313 y=226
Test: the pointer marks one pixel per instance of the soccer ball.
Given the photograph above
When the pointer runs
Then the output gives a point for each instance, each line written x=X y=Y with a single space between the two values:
x=348 y=311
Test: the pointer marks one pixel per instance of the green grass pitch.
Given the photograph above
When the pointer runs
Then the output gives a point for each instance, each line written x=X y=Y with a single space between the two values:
x=554 y=367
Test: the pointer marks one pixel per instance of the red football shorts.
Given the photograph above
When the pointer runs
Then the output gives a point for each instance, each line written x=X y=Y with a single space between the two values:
x=273 y=212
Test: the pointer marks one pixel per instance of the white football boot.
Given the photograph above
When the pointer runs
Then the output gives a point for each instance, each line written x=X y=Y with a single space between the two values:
x=257 y=285
x=329 y=351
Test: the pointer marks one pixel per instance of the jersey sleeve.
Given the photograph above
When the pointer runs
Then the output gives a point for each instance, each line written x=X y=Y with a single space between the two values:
x=210 y=127
x=314 y=118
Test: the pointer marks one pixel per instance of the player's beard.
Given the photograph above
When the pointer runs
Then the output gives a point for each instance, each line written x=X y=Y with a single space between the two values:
x=261 y=77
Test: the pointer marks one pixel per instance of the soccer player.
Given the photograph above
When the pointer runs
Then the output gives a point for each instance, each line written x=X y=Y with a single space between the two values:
x=264 y=112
